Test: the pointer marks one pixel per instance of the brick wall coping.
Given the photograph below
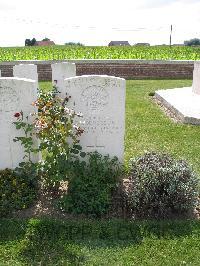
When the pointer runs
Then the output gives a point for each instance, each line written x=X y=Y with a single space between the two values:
x=101 y=61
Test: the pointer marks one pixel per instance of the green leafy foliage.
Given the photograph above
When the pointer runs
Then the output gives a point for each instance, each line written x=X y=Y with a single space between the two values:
x=152 y=93
x=58 y=130
x=58 y=134
x=18 y=189
x=63 y=52
x=161 y=186
x=29 y=42
x=45 y=39
x=91 y=185
x=27 y=138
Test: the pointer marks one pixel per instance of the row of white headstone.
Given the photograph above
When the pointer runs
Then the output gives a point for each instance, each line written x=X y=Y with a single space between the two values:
x=101 y=100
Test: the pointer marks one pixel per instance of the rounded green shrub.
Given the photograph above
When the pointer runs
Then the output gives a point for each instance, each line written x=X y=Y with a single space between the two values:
x=91 y=185
x=17 y=191
x=152 y=93
x=161 y=186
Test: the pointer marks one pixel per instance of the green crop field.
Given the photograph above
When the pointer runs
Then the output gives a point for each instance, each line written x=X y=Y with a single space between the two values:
x=59 y=52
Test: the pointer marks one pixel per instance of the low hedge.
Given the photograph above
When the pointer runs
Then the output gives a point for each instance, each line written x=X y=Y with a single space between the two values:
x=18 y=190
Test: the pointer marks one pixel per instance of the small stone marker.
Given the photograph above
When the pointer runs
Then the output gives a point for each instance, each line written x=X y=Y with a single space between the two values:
x=0 y=72
x=196 y=78
x=27 y=71
x=101 y=100
x=16 y=95
x=61 y=71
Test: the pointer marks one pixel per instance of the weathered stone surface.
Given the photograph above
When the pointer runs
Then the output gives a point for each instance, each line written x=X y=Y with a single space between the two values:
x=183 y=102
x=196 y=78
x=61 y=71
x=27 y=71
x=16 y=95
x=101 y=100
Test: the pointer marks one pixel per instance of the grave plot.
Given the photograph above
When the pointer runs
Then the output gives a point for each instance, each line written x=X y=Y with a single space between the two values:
x=101 y=100
x=184 y=102
x=16 y=95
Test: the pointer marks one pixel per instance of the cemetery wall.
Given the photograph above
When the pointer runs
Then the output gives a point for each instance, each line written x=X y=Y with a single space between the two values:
x=128 y=69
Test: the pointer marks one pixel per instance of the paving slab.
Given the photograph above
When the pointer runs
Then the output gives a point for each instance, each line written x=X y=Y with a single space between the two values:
x=183 y=102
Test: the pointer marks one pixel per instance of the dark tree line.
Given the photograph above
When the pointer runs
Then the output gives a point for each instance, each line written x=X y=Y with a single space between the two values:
x=191 y=42
x=29 y=42
x=74 y=43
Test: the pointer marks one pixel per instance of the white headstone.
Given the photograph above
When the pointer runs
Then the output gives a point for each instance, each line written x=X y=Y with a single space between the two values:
x=16 y=95
x=27 y=71
x=101 y=100
x=196 y=78
x=61 y=71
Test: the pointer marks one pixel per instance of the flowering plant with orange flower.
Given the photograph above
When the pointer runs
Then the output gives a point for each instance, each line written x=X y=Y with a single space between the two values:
x=58 y=133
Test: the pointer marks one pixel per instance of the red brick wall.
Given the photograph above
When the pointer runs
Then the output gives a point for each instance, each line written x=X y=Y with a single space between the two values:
x=138 y=70
x=128 y=69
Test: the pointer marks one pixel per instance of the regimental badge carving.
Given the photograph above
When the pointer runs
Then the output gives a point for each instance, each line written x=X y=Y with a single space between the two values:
x=95 y=98
x=9 y=100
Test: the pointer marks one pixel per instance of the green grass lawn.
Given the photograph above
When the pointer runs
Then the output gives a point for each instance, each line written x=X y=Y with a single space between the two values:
x=51 y=242
x=84 y=242
x=148 y=128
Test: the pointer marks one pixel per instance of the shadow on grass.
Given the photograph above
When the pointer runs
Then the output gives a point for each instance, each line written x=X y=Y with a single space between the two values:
x=55 y=242
x=12 y=229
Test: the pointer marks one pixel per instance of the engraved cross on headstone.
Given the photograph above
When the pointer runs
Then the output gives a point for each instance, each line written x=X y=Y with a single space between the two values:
x=96 y=145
